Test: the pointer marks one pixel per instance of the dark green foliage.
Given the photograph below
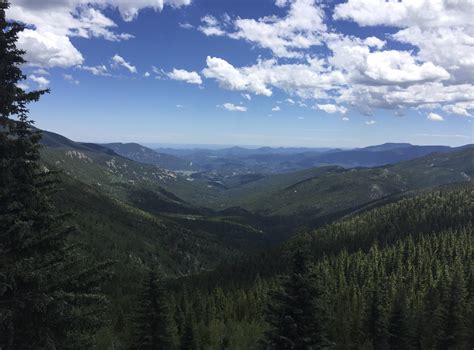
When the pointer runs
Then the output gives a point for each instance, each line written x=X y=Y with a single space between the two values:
x=49 y=295
x=188 y=339
x=153 y=324
x=399 y=331
x=295 y=312
x=396 y=277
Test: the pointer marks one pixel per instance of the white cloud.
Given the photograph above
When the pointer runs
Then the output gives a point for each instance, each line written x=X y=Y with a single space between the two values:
x=247 y=97
x=210 y=26
x=276 y=109
x=422 y=13
x=159 y=73
x=46 y=49
x=70 y=78
x=370 y=122
x=364 y=74
x=308 y=80
x=234 y=108
x=120 y=61
x=461 y=108
x=41 y=71
x=435 y=117
x=96 y=70
x=146 y=74
x=301 y=28
x=443 y=31
x=330 y=108
x=186 y=76
x=290 y=101
x=56 y=21
x=345 y=119
x=232 y=78
x=42 y=82
x=23 y=86
x=186 y=25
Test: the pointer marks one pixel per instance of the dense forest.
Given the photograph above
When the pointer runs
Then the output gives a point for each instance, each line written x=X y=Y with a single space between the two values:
x=144 y=269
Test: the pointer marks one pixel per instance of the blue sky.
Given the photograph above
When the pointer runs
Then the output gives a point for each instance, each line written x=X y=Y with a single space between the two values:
x=278 y=73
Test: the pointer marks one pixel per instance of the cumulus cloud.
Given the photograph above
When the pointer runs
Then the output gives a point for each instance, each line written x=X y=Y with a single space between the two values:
x=370 y=122
x=210 y=26
x=330 y=108
x=46 y=49
x=276 y=109
x=42 y=82
x=300 y=29
x=309 y=80
x=186 y=76
x=247 y=97
x=443 y=32
x=435 y=117
x=119 y=61
x=54 y=22
x=361 y=73
x=234 y=108
x=461 y=108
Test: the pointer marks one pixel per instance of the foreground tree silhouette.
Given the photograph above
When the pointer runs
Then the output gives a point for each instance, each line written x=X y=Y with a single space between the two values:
x=295 y=313
x=154 y=329
x=48 y=293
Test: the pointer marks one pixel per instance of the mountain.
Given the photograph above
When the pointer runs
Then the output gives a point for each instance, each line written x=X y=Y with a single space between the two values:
x=372 y=156
x=146 y=155
x=325 y=191
x=133 y=192
x=417 y=246
x=220 y=164
x=312 y=196
x=217 y=240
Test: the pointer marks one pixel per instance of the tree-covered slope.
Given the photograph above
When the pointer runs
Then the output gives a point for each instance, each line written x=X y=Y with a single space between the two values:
x=398 y=274
x=324 y=191
x=146 y=155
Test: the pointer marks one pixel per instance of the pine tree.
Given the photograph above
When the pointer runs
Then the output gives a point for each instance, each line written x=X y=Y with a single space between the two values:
x=154 y=328
x=454 y=322
x=48 y=292
x=399 y=331
x=296 y=314
x=376 y=324
x=188 y=339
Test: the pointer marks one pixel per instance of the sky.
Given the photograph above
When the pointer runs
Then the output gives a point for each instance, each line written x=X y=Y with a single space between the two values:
x=307 y=73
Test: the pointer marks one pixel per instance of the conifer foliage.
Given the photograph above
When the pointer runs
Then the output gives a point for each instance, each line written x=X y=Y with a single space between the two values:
x=49 y=297
x=296 y=313
x=154 y=328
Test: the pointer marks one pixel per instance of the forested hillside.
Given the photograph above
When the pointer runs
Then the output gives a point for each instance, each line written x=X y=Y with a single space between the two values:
x=321 y=191
x=399 y=276
x=120 y=247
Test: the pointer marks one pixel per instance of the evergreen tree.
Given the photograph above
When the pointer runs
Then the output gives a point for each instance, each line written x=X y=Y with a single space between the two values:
x=48 y=293
x=188 y=339
x=376 y=324
x=154 y=328
x=295 y=314
x=399 y=330
x=454 y=320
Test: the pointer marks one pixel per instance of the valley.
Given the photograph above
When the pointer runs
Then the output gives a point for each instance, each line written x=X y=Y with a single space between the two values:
x=224 y=175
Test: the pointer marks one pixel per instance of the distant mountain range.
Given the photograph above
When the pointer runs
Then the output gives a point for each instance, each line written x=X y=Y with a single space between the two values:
x=146 y=155
x=131 y=174
x=266 y=160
